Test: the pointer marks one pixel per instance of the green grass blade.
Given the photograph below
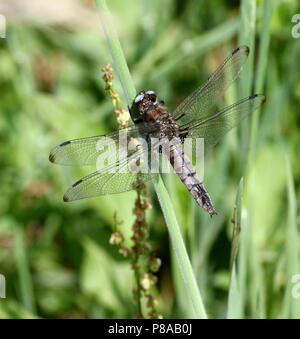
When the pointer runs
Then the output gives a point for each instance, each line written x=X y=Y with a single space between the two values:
x=180 y=250
x=116 y=52
x=247 y=37
x=234 y=309
x=25 y=280
x=236 y=224
x=291 y=304
x=261 y=68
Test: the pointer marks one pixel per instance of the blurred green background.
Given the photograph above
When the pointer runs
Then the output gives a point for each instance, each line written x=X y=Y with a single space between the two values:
x=56 y=257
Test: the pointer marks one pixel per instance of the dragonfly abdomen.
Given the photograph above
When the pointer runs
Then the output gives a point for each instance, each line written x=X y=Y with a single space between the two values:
x=185 y=170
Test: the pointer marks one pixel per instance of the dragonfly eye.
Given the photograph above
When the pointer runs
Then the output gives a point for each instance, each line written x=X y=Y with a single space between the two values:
x=139 y=98
x=151 y=95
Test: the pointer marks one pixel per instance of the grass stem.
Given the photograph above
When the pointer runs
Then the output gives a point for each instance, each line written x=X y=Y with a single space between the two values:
x=185 y=266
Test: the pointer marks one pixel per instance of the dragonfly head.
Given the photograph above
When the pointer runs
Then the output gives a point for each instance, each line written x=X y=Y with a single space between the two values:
x=144 y=98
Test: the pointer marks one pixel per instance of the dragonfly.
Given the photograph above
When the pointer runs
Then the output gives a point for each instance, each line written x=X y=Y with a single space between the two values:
x=196 y=117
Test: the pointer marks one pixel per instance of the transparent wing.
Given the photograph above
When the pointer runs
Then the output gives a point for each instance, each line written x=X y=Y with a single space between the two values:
x=86 y=151
x=214 y=127
x=198 y=104
x=109 y=180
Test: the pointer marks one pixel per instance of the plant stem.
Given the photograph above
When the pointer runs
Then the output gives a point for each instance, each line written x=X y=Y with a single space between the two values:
x=138 y=285
x=247 y=37
x=185 y=266
x=268 y=7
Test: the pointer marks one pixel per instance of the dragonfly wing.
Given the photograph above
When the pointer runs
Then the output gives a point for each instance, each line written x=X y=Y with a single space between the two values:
x=198 y=104
x=109 y=180
x=86 y=151
x=215 y=126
